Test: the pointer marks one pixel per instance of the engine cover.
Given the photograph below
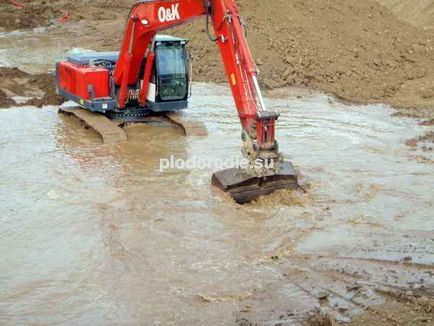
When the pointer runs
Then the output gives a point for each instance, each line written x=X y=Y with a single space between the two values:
x=84 y=82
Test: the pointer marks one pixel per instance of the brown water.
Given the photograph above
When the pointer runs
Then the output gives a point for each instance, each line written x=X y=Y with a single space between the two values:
x=96 y=234
x=36 y=51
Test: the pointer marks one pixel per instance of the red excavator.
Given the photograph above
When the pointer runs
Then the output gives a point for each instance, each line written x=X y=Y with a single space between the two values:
x=151 y=75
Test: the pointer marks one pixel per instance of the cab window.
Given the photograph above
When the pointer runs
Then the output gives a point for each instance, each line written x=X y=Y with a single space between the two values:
x=172 y=72
x=171 y=60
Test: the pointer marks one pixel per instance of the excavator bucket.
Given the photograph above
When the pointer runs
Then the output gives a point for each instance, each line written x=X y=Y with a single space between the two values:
x=244 y=187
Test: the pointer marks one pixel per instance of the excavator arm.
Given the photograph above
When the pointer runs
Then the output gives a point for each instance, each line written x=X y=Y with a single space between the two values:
x=149 y=17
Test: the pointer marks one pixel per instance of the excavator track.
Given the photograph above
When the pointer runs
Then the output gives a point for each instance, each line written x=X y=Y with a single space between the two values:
x=188 y=127
x=109 y=131
x=110 y=127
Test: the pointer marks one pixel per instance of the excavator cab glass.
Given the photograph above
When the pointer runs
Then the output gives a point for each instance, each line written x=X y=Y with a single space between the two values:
x=172 y=71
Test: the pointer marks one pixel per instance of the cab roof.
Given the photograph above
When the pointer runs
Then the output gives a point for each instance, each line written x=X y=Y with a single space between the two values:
x=168 y=38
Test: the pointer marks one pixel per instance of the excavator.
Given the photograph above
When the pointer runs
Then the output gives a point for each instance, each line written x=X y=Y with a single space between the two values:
x=150 y=76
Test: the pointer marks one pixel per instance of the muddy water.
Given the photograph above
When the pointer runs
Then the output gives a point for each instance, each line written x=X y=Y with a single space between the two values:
x=94 y=233
x=36 y=51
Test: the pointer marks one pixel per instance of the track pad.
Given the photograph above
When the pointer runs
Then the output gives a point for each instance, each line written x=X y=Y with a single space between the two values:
x=244 y=187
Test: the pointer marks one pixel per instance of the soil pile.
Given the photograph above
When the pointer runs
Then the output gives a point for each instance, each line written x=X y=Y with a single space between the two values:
x=40 y=88
x=27 y=15
x=5 y=101
x=31 y=14
x=46 y=83
x=357 y=50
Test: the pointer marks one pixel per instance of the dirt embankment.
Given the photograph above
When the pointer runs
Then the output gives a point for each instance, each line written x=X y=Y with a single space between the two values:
x=40 y=88
x=357 y=50
x=31 y=14
x=15 y=15
x=26 y=14
x=364 y=51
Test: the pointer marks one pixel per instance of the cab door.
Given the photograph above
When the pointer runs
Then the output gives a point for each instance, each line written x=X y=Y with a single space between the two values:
x=171 y=72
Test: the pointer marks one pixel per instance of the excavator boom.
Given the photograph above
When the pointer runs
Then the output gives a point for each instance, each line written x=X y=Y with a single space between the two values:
x=149 y=17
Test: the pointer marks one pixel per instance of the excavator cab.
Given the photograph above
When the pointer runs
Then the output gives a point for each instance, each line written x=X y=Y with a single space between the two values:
x=87 y=79
x=171 y=70
x=169 y=89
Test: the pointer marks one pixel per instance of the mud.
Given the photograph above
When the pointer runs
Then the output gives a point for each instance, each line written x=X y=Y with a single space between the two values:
x=45 y=83
x=52 y=12
x=15 y=17
x=403 y=310
x=320 y=319
x=5 y=100
x=14 y=82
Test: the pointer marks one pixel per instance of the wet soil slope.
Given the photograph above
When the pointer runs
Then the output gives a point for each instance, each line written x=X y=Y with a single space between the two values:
x=366 y=51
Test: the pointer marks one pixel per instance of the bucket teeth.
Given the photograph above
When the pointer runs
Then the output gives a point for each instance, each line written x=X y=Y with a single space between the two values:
x=244 y=187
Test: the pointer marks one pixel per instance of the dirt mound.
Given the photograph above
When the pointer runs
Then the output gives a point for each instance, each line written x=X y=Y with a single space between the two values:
x=7 y=72
x=29 y=15
x=321 y=319
x=46 y=83
x=42 y=13
x=5 y=101
x=14 y=82
x=362 y=51
x=357 y=50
